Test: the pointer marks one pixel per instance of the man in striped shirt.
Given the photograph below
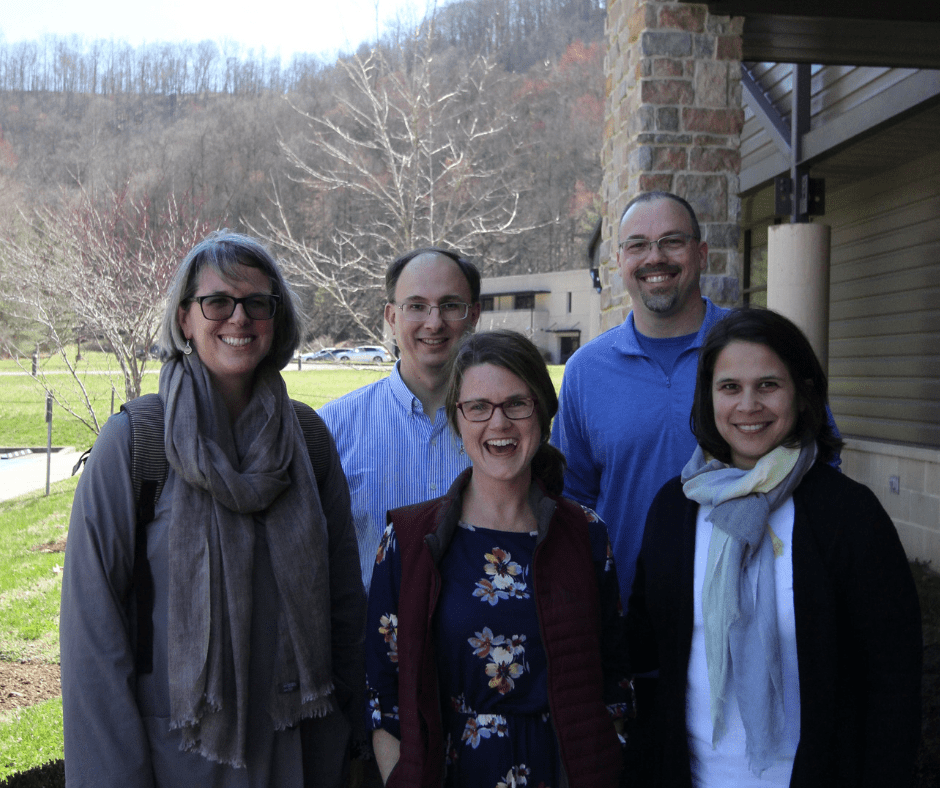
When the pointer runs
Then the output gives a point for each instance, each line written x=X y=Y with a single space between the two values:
x=393 y=438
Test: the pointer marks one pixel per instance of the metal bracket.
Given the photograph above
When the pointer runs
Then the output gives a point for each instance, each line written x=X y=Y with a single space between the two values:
x=811 y=197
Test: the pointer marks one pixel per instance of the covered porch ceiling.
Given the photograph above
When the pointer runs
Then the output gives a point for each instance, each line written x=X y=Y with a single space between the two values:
x=899 y=33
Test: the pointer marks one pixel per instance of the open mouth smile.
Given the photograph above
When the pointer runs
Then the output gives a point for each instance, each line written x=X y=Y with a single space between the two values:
x=501 y=446
x=237 y=341
x=656 y=276
x=752 y=428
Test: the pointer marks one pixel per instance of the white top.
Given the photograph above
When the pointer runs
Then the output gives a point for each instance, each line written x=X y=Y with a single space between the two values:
x=726 y=764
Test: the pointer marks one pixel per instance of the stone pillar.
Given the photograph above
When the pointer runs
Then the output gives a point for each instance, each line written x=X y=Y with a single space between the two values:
x=798 y=280
x=673 y=123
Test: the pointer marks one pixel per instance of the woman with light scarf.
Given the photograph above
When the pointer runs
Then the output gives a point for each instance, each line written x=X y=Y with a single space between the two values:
x=772 y=593
x=258 y=606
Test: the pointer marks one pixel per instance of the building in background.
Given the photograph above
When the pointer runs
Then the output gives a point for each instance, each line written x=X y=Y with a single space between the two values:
x=559 y=311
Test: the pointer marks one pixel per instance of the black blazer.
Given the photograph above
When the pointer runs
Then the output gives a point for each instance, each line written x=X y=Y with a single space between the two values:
x=858 y=634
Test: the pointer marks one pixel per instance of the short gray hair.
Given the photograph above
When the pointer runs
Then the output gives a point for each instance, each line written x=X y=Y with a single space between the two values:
x=223 y=252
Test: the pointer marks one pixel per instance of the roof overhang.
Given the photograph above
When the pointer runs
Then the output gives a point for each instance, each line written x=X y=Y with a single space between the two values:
x=901 y=33
x=512 y=292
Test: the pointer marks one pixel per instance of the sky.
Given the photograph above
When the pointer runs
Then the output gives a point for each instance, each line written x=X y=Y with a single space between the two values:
x=318 y=27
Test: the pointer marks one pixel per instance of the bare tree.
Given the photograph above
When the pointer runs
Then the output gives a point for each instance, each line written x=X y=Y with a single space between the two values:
x=414 y=153
x=97 y=271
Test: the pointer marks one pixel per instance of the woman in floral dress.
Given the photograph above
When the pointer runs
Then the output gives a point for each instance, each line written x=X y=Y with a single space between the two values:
x=493 y=629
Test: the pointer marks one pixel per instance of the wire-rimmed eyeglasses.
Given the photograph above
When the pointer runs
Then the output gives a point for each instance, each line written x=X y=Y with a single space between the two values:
x=257 y=306
x=483 y=410
x=668 y=245
x=417 y=311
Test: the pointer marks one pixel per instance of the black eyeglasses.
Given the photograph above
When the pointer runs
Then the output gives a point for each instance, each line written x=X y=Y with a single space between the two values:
x=417 y=311
x=668 y=244
x=258 y=306
x=483 y=410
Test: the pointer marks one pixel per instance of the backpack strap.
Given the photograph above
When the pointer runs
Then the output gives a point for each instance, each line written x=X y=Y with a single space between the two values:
x=317 y=438
x=149 y=468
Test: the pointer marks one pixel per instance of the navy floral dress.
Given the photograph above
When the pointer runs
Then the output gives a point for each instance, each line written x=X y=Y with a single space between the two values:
x=491 y=664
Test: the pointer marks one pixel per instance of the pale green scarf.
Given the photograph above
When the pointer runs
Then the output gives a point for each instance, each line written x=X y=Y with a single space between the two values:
x=742 y=644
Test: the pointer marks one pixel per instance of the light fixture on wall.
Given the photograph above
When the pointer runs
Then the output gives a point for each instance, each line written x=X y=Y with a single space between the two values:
x=596 y=279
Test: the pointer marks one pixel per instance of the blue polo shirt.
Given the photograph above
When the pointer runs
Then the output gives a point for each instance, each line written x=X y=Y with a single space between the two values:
x=623 y=425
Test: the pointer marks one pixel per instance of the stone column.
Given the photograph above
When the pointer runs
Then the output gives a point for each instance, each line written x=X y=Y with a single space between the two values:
x=673 y=123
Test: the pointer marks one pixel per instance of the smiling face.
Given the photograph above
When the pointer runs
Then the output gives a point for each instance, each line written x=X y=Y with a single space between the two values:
x=426 y=344
x=232 y=349
x=755 y=401
x=661 y=286
x=500 y=448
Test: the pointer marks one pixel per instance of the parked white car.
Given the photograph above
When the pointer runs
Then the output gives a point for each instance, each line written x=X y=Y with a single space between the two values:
x=364 y=354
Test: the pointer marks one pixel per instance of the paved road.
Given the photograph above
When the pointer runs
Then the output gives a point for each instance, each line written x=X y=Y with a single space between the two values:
x=23 y=474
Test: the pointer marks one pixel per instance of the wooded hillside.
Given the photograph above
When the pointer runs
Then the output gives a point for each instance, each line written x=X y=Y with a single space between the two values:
x=481 y=130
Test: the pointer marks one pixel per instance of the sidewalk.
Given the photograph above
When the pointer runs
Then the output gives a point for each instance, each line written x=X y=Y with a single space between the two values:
x=20 y=475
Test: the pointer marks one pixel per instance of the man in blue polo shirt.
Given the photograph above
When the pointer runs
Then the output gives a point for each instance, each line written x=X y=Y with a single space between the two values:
x=626 y=396
x=393 y=437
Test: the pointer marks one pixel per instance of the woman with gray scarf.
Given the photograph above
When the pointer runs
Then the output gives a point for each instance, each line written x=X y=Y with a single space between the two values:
x=772 y=592
x=257 y=602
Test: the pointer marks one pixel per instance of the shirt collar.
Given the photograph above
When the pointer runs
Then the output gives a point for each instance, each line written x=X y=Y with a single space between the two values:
x=401 y=392
x=629 y=345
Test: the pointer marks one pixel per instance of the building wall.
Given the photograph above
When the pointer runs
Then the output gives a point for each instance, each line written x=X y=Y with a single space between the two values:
x=884 y=319
x=914 y=502
x=884 y=342
x=884 y=335
x=551 y=319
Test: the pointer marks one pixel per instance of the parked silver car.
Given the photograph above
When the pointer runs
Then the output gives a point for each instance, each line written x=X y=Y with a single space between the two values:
x=327 y=354
x=363 y=354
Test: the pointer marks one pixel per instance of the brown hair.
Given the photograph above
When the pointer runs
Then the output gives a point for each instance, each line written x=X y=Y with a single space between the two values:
x=516 y=354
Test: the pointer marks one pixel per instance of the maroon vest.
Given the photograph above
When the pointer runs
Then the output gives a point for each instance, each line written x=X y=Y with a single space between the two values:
x=566 y=596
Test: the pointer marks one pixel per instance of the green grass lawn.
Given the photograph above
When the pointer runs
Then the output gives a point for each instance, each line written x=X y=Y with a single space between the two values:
x=31 y=737
x=23 y=414
x=22 y=399
x=30 y=579
x=30 y=585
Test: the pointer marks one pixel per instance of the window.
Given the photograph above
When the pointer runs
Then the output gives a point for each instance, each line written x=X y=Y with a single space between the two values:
x=569 y=303
x=487 y=303
x=754 y=289
x=524 y=301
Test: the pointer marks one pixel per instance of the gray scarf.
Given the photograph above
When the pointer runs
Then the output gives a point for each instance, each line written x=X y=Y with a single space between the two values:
x=739 y=603
x=227 y=477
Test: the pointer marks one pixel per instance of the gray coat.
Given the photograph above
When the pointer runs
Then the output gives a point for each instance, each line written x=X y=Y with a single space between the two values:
x=116 y=722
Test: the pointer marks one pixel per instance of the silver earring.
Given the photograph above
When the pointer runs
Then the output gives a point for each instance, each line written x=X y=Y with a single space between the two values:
x=187 y=348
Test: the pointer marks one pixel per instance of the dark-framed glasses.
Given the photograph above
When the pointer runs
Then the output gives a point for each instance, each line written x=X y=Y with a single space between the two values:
x=483 y=410
x=417 y=311
x=668 y=245
x=257 y=306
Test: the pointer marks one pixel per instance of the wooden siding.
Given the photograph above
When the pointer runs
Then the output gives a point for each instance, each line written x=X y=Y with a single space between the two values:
x=884 y=328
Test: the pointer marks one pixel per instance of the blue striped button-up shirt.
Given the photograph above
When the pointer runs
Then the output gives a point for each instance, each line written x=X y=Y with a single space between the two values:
x=393 y=455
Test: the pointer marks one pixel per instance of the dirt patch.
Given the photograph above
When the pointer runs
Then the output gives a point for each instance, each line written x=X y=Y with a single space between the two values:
x=27 y=683
x=50 y=547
